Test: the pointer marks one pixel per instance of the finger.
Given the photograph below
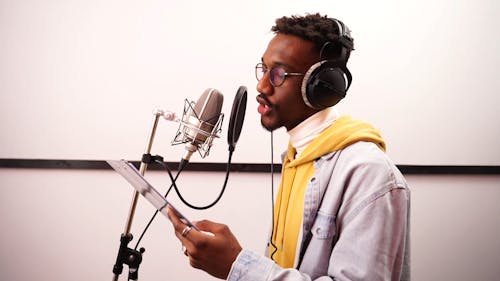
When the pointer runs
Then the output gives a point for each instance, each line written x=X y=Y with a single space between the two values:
x=181 y=230
x=186 y=230
x=176 y=221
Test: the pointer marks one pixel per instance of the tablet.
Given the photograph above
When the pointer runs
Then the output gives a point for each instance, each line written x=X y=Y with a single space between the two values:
x=132 y=175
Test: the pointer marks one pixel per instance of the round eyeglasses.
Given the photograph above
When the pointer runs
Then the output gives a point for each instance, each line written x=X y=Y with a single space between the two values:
x=277 y=74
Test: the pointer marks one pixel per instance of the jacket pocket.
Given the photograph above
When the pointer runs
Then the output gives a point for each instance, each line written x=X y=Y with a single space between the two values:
x=324 y=226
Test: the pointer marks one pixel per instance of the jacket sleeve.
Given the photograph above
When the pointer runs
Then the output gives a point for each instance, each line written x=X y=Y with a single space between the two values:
x=250 y=266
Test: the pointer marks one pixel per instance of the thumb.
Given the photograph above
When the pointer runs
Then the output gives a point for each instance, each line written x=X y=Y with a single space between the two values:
x=210 y=226
x=205 y=225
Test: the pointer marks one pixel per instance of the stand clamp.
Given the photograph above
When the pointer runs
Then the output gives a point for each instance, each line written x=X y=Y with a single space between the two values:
x=128 y=256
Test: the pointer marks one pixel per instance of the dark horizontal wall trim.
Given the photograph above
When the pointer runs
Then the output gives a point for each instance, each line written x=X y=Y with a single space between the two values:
x=235 y=167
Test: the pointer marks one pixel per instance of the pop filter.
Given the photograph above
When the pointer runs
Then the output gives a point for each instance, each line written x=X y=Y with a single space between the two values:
x=237 y=117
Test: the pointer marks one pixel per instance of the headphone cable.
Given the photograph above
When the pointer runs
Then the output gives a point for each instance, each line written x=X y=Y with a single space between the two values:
x=272 y=199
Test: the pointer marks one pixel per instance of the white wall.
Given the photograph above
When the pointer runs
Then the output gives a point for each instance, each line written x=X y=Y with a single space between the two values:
x=79 y=76
x=65 y=224
x=79 y=80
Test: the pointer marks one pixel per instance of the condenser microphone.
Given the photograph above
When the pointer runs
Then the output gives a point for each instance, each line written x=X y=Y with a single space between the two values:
x=200 y=124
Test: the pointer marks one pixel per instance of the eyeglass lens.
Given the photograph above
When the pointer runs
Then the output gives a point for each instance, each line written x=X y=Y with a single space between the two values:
x=276 y=74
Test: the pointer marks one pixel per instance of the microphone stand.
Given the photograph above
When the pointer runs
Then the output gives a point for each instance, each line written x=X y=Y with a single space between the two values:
x=126 y=255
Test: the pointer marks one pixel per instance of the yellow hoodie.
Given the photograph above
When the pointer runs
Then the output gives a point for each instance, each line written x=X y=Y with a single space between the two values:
x=296 y=173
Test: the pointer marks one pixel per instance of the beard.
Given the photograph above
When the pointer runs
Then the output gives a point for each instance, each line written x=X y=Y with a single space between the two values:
x=269 y=126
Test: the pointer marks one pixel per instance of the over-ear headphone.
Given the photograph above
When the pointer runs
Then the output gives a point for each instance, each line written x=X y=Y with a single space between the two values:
x=326 y=82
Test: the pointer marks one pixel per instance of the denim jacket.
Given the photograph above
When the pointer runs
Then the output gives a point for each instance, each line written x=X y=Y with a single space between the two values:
x=355 y=224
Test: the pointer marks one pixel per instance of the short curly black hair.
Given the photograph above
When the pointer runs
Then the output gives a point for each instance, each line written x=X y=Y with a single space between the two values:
x=312 y=27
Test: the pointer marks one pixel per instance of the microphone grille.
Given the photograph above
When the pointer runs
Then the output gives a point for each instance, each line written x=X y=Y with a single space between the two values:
x=209 y=106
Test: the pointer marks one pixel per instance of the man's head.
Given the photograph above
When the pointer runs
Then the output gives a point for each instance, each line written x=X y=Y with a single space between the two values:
x=317 y=29
x=298 y=44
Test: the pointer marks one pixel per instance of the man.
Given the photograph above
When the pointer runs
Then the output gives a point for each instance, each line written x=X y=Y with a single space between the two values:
x=342 y=210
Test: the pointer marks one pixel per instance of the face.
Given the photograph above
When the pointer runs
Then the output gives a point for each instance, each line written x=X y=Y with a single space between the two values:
x=283 y=105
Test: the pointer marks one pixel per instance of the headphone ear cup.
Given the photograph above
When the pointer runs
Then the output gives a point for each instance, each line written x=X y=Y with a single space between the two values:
x=324 y=84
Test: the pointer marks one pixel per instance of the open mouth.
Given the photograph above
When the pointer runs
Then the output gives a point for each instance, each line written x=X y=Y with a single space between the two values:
x=264 y=105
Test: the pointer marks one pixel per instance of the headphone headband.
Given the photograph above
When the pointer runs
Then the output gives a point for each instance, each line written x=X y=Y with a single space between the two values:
x=345 y=37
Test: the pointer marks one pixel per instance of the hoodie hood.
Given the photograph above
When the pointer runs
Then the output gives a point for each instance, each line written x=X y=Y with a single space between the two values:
x=342 y=133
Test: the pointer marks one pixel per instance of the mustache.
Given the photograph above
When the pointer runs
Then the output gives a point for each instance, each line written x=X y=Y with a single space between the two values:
x=262 y=98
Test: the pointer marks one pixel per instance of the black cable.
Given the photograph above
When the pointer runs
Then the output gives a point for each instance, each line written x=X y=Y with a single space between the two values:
x=272 y=198
x=228 y=169
x=173 y=180
x=166 y=194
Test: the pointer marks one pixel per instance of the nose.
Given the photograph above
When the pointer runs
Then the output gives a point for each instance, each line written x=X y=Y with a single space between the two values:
x=264 y=85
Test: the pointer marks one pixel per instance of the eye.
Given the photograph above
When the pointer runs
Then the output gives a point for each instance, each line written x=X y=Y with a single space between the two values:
x=277 y=76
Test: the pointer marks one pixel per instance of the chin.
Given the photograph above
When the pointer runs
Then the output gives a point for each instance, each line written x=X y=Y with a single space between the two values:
x=269 y=126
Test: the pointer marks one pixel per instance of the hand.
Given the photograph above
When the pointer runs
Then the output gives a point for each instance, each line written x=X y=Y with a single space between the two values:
x=213 y=254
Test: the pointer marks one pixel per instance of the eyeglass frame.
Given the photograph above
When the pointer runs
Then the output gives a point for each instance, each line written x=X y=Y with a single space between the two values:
x=285 y=74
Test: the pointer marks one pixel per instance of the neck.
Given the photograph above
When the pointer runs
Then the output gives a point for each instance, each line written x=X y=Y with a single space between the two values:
x=302 y=135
